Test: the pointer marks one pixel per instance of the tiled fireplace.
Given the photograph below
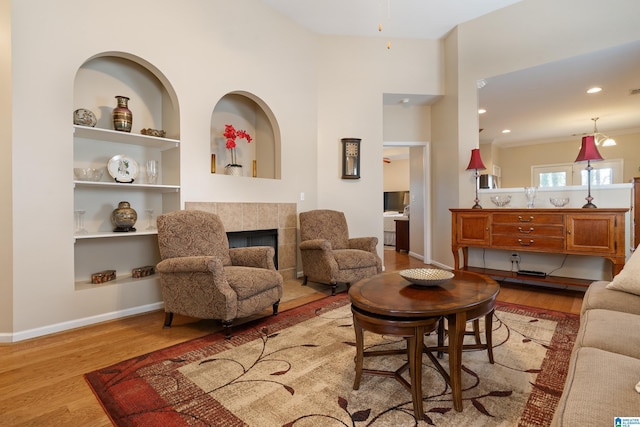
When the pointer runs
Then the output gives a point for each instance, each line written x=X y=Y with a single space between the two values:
x=261 y=216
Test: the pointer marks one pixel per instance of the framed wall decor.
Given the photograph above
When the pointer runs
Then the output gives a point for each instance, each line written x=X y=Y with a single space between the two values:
x=351 y=158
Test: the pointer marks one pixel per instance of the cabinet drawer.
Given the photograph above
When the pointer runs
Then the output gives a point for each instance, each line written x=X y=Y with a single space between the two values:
x=528 y=230
x=528 y=218
x=528 y=242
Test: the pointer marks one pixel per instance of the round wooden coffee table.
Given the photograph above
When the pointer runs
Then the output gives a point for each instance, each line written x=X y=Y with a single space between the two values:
x=387 y=301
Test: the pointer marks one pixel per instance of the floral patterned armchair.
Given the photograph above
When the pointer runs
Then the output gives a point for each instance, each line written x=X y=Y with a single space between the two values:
x=328 y=254
x=201 y=277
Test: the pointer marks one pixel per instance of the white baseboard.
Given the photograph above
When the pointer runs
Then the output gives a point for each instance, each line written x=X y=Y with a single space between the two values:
x=78 y=323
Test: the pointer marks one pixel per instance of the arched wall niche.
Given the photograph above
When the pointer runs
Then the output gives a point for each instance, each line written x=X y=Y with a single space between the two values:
x=248 y=112
x=153 y=100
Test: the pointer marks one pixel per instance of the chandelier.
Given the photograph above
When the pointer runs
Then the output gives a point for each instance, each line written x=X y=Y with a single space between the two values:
x=600 y=138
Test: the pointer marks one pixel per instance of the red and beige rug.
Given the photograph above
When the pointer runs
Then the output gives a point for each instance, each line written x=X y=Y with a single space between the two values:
x=296 y=369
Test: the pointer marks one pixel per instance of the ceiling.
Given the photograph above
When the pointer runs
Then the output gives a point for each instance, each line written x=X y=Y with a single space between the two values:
x=540 y=104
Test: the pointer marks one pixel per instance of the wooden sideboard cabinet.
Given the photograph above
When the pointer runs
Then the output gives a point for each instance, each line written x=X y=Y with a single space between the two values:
x=595 y=232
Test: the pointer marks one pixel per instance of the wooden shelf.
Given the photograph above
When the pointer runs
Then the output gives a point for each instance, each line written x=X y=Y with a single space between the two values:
x=513 y=276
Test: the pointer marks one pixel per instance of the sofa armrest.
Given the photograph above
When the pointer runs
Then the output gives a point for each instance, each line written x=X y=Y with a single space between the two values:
x=192 y=264
x=316 y=245
x=364 y=243
x=253 y=256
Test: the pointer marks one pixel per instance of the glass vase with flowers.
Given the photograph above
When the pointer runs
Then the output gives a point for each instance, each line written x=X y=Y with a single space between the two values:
x=231 y=134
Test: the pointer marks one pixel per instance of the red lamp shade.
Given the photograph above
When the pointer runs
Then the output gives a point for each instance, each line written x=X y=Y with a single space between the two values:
x=476 y=161
x=588 y=150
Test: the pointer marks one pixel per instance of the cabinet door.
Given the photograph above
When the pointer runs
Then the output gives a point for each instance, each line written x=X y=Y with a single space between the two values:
x=472 y=229
x=591 y=233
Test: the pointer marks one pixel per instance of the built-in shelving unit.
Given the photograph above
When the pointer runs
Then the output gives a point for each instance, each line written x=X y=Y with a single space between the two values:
x=97 y=246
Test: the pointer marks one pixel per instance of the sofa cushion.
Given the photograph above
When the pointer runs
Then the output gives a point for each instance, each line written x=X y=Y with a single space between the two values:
x=610 y=330
x=599 y=386
x=628 y=280
x=599 y=296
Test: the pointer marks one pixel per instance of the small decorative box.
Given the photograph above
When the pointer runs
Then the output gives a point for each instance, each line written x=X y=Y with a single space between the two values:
x=145 y=271
x=103 y=276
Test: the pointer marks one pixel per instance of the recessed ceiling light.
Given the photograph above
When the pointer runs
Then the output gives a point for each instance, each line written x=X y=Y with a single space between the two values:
x=405 y=100
x=595 y=89
x=506 y=131
x=482 y=111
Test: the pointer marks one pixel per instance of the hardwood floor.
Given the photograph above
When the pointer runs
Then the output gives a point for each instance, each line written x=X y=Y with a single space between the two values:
x=42 y=383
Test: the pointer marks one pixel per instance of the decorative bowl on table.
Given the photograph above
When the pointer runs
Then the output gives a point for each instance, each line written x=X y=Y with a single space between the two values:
x=559 y=202
x=88 y=174
x=500 y=201
x=426 y=276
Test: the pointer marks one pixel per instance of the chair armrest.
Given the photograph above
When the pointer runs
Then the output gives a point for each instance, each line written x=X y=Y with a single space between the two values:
x=316 y=245
x=192 y=264
x=253 y=256
x=364 y=243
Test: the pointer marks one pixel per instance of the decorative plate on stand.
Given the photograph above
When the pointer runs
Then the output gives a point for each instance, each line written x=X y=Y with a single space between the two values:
x=123 y=168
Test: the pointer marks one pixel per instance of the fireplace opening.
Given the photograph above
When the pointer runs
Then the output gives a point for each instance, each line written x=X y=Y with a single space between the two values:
x=243 y=239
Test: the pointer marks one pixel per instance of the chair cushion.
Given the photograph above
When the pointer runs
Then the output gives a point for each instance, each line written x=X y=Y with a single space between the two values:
x=609 y=330
x=599 y=296
x=249 y=281
x=601 y=381
x=348 y=259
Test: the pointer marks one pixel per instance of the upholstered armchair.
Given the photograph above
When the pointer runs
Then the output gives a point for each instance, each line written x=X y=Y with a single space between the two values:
x=328 y=254
x=201 y=277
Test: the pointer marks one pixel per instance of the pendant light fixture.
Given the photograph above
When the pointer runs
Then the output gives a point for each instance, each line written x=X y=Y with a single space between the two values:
x=600 y=138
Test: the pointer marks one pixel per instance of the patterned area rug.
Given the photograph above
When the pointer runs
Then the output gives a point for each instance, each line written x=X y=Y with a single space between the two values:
x=297 y=369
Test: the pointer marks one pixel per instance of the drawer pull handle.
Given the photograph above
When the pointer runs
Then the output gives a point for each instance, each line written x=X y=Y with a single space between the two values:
x=529 y=243
x=525 y=231
x=525 y=220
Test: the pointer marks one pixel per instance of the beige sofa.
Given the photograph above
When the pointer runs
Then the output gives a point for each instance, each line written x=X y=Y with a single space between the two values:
x=603 y=380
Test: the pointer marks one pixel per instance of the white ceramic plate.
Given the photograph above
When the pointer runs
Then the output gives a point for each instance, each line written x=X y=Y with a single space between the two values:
x=426 y=276
x=123 y=168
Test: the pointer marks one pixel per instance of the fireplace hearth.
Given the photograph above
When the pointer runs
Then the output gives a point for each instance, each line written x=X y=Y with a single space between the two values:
x=243 y=239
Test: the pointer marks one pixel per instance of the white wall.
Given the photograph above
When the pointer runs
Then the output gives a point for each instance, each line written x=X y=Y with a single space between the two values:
x=396 y=175
x=353 y=75
x=205 y=55
x=317 y=89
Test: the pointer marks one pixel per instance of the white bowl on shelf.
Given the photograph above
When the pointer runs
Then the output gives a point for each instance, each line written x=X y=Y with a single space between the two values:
x=88 y=174
x=500 y=201
x=559 y=202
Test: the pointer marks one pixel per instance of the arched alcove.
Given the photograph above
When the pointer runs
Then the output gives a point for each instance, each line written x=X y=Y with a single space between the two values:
x=153 y=100
x=245 y=111
x=154 y=106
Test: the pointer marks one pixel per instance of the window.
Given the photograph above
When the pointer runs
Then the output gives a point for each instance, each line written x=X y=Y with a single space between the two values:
x=562 y=174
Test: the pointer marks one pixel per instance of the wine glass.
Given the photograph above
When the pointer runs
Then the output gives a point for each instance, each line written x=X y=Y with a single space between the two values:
x=530 y=194
x=152 y=171
x=79 y=215
x=150 y=224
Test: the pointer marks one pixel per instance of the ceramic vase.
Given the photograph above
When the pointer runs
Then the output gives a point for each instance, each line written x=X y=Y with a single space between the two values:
x=122 y=116
x=124 y=217
x=233 y=168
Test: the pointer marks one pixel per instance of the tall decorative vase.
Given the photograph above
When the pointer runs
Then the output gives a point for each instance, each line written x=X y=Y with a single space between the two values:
x=122 y=116
x=233 y=168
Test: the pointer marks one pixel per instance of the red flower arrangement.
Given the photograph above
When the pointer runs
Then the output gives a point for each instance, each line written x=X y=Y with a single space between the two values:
x=231 y=134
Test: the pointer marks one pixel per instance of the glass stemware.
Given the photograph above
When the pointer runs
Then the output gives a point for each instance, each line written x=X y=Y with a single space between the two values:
x=79 y=215
x=150 y=224
x=530 y=194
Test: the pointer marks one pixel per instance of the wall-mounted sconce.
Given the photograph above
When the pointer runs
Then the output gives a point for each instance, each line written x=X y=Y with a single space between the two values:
x=351 y=158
